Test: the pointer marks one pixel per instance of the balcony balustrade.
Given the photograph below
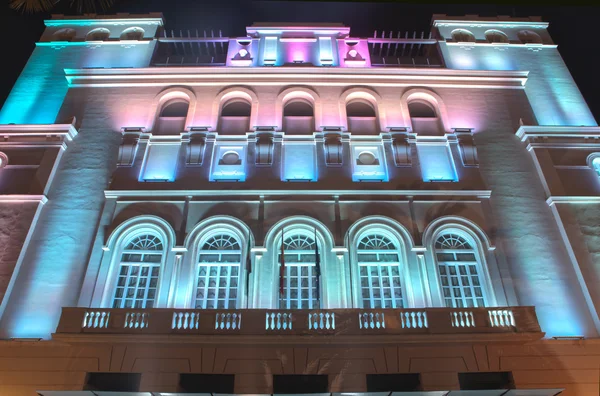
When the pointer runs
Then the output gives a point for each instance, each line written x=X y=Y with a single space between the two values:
x=298 y=322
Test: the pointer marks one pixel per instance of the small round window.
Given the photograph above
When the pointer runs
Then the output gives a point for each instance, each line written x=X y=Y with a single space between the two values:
x=366 y=158
x=3 y=160
x=230 y=158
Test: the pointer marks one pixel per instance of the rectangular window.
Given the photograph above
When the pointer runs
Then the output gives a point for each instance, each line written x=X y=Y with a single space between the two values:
x=483 y=381
x=160 y=164
x=229 y=163
x=115 y=382
x=299 y=162
x=393 y=382
x=436 y=162
x=368 y=163
x=298 y=384
x=206 y=383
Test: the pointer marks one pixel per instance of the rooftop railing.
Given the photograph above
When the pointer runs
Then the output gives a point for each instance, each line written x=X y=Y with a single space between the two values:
x=167 y=321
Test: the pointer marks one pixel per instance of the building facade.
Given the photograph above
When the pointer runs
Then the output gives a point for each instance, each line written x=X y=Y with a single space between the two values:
x=298 y=211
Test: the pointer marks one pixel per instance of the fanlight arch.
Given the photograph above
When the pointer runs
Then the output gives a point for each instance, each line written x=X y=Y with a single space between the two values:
x=496 y=36
x=529 y=37
x=65 y=34
x=463 y=36
x=99 y=34
x=132 y=33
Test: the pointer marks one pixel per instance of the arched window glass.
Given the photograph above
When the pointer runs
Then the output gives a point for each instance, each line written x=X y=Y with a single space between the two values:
x=379 y=272
x=139 y=272
x=99 y=34
x=300 y=280
x=175 y=108
x=134 y=33
x=458 y=269
x=298 y=108
x=361 y=117
x=421 y=109
x=529 y=37
x=495 y=36
x=65 y=34
x=463 y=36
x=235 y=117
x=218 y=272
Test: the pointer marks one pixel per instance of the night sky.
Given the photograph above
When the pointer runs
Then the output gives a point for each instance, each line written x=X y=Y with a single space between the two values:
x=574 y=29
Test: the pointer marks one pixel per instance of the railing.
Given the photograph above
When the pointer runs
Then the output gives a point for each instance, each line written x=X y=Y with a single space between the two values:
x=299 y=322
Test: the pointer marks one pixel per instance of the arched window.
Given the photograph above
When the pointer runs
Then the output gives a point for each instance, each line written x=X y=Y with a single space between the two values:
x=529 y=37
x=361 y=117
x=421 y=109
x=133 y=33
x=298 y=117
x=463 y=36
x=424 y=118
x=99 y=34
x=300 y=281
x=379 y=272
x=218 y=272
x=235 y=117
x=65 y=34
x=139 y=271
x=495 y=36
x=172 y=117
x=458 y=269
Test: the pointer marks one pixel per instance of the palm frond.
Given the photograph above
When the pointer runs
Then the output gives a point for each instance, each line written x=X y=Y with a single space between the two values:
x=92 y=6
x=31 y=6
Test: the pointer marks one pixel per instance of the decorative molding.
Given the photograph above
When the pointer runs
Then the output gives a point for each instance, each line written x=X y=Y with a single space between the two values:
x=23 y=198
x=219 y=193
x=315 y=76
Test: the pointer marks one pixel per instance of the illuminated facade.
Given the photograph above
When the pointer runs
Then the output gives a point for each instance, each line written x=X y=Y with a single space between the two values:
x=435 y=200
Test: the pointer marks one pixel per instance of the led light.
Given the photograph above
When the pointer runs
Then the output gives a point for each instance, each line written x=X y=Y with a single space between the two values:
x=243 y=52
x=352 y=53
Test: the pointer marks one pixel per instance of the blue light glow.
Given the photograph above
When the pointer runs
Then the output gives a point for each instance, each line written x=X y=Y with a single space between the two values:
x=299 y=162
x=436 y=162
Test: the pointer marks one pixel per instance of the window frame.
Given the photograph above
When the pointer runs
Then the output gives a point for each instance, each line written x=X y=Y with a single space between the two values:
x=313 y=303
x=196 y=268
x=483 y=264
x=396 y=250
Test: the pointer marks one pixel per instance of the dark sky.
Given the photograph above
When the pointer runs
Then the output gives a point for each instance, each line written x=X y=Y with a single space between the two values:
x=573 y=28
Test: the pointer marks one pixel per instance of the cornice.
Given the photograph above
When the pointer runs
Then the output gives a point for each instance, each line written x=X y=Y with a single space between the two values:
x=290 y=192
x=217 y=76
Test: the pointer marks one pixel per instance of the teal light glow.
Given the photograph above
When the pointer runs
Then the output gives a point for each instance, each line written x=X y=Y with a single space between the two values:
x=40 y=90
x=299 y=162
x=270 y=51
x=160 y=163
x=436 y=162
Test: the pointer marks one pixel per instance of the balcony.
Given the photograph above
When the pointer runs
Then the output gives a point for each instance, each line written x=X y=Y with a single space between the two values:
x=340 y=322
